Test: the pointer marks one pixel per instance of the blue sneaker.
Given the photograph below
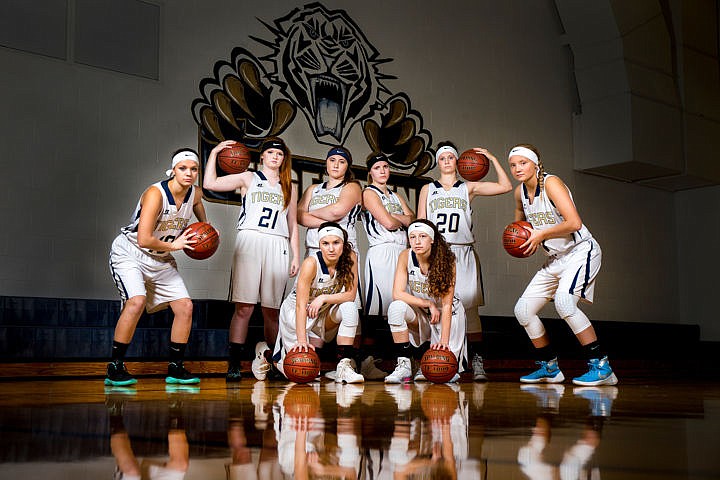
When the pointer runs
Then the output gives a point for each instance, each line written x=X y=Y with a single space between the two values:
x=600 y=398
x=547 y=396
x=549 y=372
x=600 y=373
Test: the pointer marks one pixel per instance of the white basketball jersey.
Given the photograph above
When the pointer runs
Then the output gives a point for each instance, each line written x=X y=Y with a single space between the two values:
x=171 y=222
x=542 y=214
x=450 y=211
x=263 y=208
x=323 y=284
x=322 y=197
x=417 y=281
x=376 y=233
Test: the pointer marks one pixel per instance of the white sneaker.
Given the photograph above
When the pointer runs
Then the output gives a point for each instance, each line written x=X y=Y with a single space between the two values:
x=419 y=377
x=479 y=374
x=346 y=373
x=260 y=365
x=369 y=370
x=402 y=394
x=331 y=375
x=402 y=372
x=346 y=394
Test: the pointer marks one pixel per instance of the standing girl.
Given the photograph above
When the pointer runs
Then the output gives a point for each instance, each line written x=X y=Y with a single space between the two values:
x=425 y=306
x=447 y=203
x=322 y=304
x=266 y=227
x=568 y=275
x=145 y=272
x=386 y=215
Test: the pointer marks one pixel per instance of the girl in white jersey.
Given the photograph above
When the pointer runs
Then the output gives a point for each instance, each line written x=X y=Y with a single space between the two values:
x=568 y=275
x=145 y=272
x=447 y=203
x=425 y=308
x=267 y=234
x=322 y=304
x=386 y=215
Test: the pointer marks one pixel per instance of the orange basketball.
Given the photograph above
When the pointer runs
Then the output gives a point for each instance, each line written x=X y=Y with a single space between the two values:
x=234 y=159
x=301 y=367
x=208 y=240
x=515 y=235
x=473 y=166
x=439 y=366
x=439 y=402
x=301 y=401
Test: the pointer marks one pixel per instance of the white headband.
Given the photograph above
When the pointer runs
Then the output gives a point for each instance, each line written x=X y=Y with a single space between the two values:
x=325 y=231
x=525 y=152
x=446 y=148
x=179 y=157
x=423 y=227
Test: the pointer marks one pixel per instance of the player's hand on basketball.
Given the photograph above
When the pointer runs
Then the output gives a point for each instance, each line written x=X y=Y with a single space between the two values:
x=222 y=146
x=303 y=346
x=185 y=240
x=533 y=242
x=440 y=346
x=486 y=152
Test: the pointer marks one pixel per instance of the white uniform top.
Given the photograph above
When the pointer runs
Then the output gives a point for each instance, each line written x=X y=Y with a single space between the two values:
x=417 y=282
x=542 y=214
x=263 y=208
x=322 y=197
x=376 y=233
x=450 y=211
x=322 y=284
x=170 y=223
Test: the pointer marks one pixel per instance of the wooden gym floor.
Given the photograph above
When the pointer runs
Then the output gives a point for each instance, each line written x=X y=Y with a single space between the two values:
x=643 y=428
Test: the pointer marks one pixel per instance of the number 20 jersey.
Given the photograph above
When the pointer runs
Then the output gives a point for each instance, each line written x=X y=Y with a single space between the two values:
x=450 y=211
x=263 y=208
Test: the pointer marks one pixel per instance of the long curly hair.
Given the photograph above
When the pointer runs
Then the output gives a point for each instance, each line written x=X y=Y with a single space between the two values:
x=441 y=274
x=343 y=269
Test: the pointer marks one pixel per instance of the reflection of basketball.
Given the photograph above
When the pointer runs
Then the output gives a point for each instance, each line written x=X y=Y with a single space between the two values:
x=439 y=402
x=208 y=240
x=515 y=235
x=301 y=367
x=473 y=166
x=439 y=366
x=301 y=401
x=234 y=159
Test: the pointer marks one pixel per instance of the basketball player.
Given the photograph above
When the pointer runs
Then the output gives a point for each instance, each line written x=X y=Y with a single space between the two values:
x=337 y=200
x=266 y=228
x=322 y=304
x=568 y=275
x=447 y=203
x=145 y=272
x=386 y=215
x=425 y=306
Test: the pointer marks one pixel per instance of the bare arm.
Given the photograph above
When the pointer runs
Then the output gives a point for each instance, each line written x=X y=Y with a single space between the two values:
x=374 y=205
x=422 y=202
x=407 y=216
x=350 y=195
x=227 y=183
x=151 y=203
x=400 y=284
x=304 y=218
x=294 y=232
x=519 y=210
x=502 y=185
x=302 y=298
x=199 y=207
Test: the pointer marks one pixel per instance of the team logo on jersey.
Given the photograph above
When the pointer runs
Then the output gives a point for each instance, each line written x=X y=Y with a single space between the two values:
x=319 y=63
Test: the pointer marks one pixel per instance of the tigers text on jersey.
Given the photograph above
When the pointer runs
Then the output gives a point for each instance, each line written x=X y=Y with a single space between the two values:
x=322 y=196
x=263 y=208
x=376 y=233
x=417 y=281
x=543 y=214
x=323 y=284
x=171 y=221
x=451 y=212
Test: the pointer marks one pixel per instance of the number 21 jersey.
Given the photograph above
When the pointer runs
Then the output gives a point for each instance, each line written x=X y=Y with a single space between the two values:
x=263 y=208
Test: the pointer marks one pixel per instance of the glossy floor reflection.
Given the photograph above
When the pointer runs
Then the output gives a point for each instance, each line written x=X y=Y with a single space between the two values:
x=273 y=430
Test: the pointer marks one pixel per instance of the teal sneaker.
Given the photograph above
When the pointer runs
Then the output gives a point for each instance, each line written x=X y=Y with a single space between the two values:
x=117 y=375
x=549 y=372
x=600 y=373
x=178 y=374
x=600 y=398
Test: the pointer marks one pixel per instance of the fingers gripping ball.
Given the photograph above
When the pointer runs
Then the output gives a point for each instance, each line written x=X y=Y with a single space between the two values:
x=439 y=366
x=234 y=159
x=208 y=240
x=515 y=235
x=473 y=166
x=301 y=367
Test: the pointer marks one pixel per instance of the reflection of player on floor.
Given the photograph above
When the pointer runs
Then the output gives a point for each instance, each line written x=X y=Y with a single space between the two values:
x=267 y=226
x=568 y=275
x=145 y=272
x=322 y=303
x=447 y=203
x=425 y=307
